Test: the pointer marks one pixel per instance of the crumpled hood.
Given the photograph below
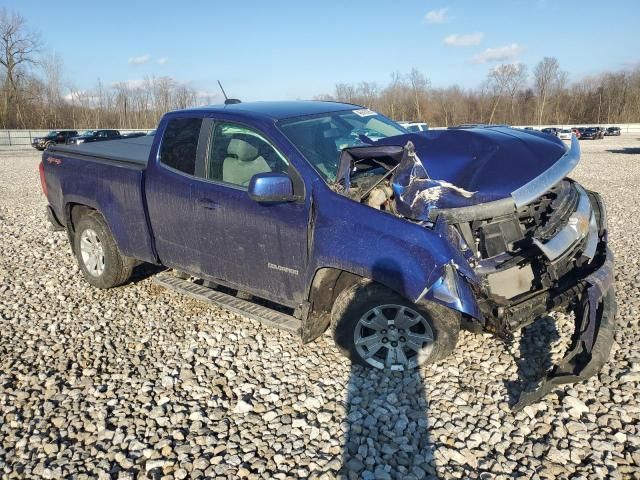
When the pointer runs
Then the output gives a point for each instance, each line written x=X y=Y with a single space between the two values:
x=490 y=161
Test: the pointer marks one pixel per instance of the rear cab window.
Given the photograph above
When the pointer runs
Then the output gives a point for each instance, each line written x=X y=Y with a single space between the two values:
x=180 y=144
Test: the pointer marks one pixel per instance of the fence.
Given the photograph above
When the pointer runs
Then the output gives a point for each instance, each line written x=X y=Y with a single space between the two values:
x=25 y=137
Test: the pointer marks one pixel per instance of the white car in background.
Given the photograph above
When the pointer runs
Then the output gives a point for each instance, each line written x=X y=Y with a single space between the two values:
x=414 y=127
x=565 y=134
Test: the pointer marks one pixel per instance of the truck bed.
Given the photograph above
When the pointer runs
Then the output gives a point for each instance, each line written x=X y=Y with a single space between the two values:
x=128 y=150
x=108 y=177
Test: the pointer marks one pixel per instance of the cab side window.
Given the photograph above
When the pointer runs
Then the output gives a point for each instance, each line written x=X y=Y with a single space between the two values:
x=238 y=153
x=180 y=144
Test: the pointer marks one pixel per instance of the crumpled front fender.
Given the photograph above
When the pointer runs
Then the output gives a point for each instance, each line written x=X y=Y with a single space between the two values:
x=453 y=290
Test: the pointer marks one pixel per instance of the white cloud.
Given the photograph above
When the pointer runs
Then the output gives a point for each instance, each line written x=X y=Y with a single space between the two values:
x=83 y=97
x=141 y=60
x=436 y=16
x=500 y=54
x=162 y=60
x=465 y=40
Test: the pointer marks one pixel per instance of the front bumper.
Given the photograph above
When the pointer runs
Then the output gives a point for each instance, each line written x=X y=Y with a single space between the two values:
x=575 y=268
x=595 y=309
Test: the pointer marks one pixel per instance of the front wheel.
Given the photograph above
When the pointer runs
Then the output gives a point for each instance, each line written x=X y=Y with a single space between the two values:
x=98 y=256
x=378 y=328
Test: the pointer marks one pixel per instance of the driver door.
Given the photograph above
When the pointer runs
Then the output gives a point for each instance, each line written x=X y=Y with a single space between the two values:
x=258 y=248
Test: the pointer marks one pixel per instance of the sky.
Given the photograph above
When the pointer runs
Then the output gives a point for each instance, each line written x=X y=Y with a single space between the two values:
x=273 y=50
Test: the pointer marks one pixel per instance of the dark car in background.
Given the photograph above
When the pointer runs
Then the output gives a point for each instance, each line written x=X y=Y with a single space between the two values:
x=54 y=137
x=590 y=133
x=613 y=132
x=551 y=131
x=89 y=136
x=133 y=134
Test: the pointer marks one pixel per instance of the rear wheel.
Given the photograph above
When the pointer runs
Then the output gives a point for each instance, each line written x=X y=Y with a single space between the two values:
x=101 y=262
x=378 y=328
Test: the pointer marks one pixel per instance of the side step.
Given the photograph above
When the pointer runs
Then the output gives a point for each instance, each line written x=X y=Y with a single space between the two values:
x=264 y=315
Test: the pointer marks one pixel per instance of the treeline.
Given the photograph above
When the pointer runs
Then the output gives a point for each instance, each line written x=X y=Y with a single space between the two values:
x=509 y=95
x=34 y=94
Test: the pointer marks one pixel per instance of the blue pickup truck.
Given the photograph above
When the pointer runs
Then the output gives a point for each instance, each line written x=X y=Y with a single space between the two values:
x=314 y=215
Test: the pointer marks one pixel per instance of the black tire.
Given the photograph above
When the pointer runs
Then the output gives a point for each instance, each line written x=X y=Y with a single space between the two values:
x=355 y=301
x=117 y=267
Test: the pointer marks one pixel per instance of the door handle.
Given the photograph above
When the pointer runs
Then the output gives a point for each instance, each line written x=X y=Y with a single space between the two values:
x=206 y=203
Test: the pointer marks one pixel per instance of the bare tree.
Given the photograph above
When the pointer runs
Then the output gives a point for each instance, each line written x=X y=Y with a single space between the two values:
x=545 y=77
x=18 y=47
x=516 y=81
x=419 y=85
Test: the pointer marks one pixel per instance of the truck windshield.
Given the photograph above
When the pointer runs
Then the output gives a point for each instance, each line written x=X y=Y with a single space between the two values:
x=321 y=138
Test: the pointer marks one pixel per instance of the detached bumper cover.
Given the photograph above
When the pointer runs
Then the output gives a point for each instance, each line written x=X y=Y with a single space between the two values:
x=592 y=339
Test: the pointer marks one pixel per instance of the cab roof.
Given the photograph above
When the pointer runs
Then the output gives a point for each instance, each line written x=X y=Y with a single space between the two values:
x=280 y=110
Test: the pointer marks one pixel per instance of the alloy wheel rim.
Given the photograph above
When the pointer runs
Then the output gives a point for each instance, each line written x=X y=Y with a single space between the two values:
x=92 y=252
x=393 y=337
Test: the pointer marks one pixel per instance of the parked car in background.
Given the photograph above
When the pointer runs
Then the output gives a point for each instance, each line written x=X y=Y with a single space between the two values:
x=54 y=137
x=529 y=128
x=589 y=133
x=394 y=244
x=90 y=136
x=551 y=131
x=133 y=134
x=414 y=127
x=613 y=132
x=565 y=134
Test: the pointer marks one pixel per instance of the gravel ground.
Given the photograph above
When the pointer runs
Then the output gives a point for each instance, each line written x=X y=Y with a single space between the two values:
x=141 y=382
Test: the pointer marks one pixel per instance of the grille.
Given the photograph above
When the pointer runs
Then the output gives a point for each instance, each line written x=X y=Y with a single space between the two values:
x=545 y=217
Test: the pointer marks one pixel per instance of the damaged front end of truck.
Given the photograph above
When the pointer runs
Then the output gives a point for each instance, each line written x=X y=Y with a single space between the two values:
x=527 y=239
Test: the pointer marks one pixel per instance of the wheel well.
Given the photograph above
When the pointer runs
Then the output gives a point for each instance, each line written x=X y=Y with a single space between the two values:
x=325 y=287
x=73 y=213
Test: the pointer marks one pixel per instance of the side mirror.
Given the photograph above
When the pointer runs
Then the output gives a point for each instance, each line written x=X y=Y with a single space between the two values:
x=271 y=187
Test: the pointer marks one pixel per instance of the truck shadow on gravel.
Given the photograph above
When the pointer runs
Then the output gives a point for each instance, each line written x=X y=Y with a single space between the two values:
x=387 y=427
x=534 y=358
x=144 y=271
